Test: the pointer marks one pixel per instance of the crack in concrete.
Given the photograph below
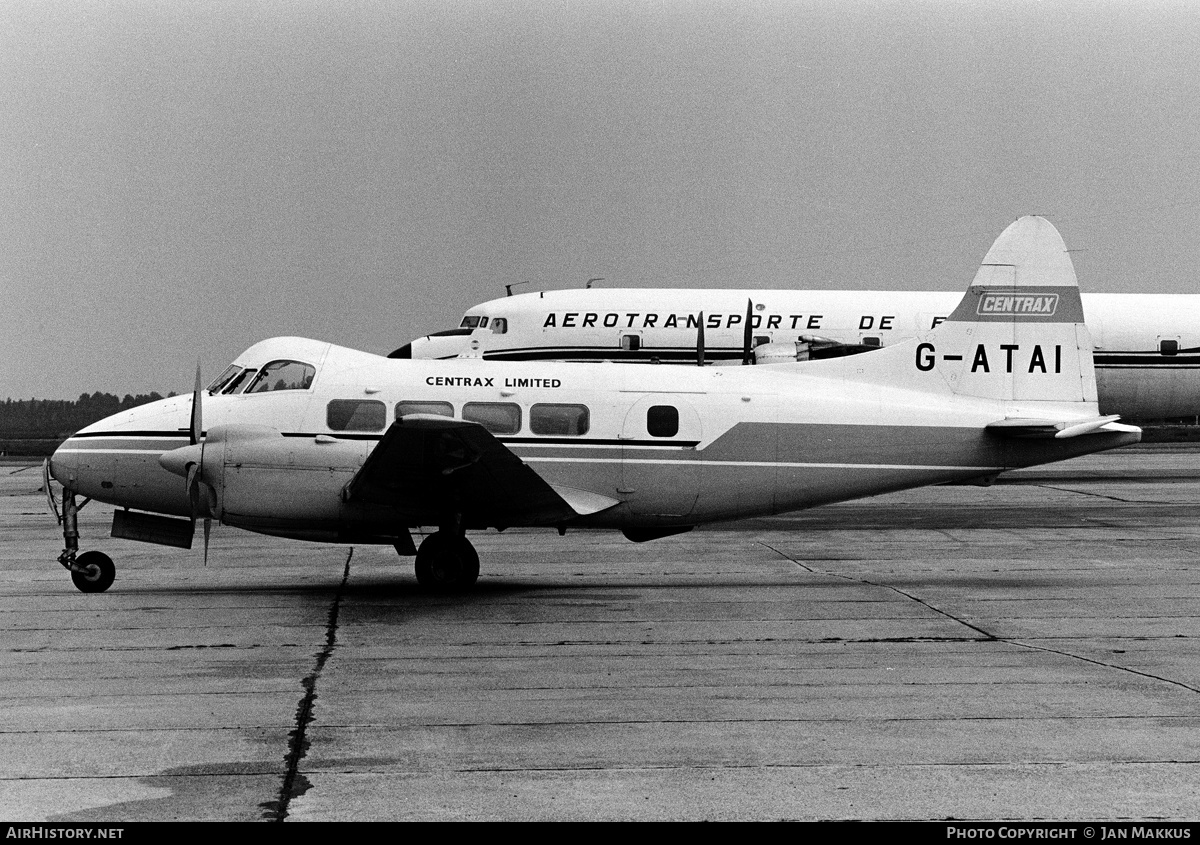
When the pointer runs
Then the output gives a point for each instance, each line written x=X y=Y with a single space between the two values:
x=1106 y=496
x=294 y=784
x=987 y=635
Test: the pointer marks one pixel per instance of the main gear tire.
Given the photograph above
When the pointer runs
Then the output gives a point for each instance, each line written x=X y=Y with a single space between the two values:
x=446 y=564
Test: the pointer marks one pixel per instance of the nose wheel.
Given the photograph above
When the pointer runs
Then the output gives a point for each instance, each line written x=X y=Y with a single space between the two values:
x=93 y=572
x=447 y=563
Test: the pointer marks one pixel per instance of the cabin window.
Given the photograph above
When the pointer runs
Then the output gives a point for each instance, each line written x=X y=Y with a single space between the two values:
x=356 y=415
x=760 y=339
x=631 y=342
x=872 y=341
x=238 y=382
x=441 y=409
x=563 y=420
x=224 y=378
x=496 y=417
x=662 y=420
x=283 y=375
x=1168 y=347
x=499 y=325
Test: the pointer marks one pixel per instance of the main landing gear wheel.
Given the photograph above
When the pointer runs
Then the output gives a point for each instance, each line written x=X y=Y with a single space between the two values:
x=446 y=564
x=96 y=572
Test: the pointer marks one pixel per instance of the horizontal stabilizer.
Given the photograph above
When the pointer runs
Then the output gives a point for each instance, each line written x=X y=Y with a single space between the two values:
x=1058 y=429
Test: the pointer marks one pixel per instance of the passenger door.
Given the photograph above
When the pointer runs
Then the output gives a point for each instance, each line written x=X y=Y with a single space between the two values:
x=660 y=475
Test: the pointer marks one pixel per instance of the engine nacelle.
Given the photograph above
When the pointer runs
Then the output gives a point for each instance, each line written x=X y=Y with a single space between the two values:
x=807 y=348
x=259 y=479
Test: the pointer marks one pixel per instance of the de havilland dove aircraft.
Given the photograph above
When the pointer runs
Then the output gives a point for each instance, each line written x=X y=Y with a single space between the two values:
x=1146 y=346
x=308 y=440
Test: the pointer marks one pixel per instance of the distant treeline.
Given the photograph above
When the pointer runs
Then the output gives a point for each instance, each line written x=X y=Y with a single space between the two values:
x=34 y=426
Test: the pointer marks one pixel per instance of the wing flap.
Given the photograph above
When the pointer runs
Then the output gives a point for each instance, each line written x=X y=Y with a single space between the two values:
x=584 y=502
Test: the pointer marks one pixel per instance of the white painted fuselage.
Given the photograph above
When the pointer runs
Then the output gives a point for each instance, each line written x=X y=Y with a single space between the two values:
x=736 y=441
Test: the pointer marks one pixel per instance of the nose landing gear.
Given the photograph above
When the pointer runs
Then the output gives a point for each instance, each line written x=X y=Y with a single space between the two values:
x=91 y=572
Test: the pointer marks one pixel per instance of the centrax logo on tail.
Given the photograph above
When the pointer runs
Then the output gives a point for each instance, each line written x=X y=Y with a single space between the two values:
x=309 y=440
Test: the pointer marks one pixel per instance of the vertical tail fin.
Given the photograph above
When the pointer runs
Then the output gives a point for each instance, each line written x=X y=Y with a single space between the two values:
x=1016 y=347
x=1018 y=334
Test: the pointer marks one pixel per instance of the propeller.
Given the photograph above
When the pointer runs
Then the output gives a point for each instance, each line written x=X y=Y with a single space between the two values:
x=200 y=495
x=700 y=341
x=748 y=336
x=197 y=425
x=188 y=463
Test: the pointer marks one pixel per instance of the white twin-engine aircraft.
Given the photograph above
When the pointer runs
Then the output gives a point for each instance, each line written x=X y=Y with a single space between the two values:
x=315 y=441
x=1146 y=347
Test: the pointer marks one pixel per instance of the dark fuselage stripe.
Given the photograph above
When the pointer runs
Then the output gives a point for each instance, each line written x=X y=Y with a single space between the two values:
x=160 y=435
x=518 y=441
x=674 y=353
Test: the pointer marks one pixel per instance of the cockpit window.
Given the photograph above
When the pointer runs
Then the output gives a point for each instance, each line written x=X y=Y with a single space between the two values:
x=239 y=381
x=224 y=378
x=283 y=375
x=472 y=321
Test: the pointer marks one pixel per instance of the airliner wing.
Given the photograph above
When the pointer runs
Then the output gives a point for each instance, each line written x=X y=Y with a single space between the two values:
x=428 y=464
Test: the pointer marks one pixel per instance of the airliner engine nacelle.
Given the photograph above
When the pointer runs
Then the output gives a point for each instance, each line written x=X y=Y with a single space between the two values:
x=781 y=352
x=808 y=347
x=253 y=474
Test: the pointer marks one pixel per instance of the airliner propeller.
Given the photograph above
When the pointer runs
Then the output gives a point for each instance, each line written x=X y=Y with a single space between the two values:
x=748 y=336
x=197 y=426
x=201 y=496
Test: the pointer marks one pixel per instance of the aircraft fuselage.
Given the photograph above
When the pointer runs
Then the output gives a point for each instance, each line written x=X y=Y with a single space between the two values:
x=670 y=445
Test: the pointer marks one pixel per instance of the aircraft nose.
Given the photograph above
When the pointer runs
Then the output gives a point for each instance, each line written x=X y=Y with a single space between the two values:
x=177 y=460
x=64 y=464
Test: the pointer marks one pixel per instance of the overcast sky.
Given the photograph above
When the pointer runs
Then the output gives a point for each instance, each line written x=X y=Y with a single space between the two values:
x=179 y=179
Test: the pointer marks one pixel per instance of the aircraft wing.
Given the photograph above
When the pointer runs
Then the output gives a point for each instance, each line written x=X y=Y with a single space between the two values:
x=427 y=464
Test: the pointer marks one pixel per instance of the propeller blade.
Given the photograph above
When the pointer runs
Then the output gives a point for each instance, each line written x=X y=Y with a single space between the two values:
x=193 y=489
x=197 y=427
x=748 y=335
x=201 y=496
x=700 y=341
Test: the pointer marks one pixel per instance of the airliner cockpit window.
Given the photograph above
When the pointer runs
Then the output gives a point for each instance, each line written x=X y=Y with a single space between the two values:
x=499 y=325
x=223 y=379
x=470 y=322
x=239 y=381
x=283 y=375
